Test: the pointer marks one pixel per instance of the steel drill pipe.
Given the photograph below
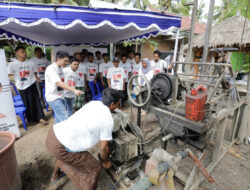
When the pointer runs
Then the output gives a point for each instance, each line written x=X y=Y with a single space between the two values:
x=203 y=170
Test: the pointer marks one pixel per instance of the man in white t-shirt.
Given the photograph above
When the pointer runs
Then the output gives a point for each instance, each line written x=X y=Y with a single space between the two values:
x=98 y=58
x=91 y=74
x=103 y=69
x=116 y=76
x=70 y=78
x=118 y=55
x=84 y=53
x=81 y=71
x=41 y=64
x=169 y=64
x=55 y=86
x=70 y=140
x=136 y=66
x=131 y=57
x=25 y=75
x=127 y=69
x=157 y=65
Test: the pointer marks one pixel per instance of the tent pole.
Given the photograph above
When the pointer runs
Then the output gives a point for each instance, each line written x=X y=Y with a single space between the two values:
x=111 y=45
x=176 y=44
x=207 y=34
x=44 y=49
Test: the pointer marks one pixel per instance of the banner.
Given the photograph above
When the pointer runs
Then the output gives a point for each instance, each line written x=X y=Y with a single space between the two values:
x=8 y=121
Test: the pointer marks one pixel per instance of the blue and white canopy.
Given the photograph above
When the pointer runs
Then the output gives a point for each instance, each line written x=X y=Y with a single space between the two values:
x=61 y=24
x=10 y=36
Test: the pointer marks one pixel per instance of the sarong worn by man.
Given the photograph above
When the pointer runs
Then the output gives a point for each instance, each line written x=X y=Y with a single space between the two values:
x=69 y=140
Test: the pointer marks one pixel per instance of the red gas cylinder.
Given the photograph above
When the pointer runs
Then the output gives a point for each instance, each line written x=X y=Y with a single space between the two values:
x=195 y=104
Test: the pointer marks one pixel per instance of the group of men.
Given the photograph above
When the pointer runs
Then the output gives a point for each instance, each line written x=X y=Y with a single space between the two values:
x=67 y=80
x=29 y=78
x=78 y=127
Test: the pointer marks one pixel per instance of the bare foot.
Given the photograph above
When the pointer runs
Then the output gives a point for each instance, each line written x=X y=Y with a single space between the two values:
x=143 y=112
x=44 y=122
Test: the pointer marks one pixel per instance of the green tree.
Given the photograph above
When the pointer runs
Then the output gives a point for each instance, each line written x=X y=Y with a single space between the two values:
x=229 y=8
x=139 y=4
x=180 y=7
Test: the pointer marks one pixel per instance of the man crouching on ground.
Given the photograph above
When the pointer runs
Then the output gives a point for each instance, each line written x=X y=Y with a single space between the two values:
x=69 y=140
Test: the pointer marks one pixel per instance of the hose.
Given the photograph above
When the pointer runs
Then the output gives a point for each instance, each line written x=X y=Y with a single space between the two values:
x=142 y=184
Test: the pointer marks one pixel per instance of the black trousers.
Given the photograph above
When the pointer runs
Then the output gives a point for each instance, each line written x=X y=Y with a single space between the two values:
x=40 y=91
x=30 y=97
x=125 y=95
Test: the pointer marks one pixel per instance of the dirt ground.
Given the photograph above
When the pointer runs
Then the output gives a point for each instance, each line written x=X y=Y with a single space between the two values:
x=36 y=164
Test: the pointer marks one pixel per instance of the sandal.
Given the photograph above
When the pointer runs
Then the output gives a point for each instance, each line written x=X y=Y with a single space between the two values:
x=57 y=177
x=43 y=122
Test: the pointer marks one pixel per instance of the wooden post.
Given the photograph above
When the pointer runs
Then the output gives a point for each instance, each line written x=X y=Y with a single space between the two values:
x=179 y=69
x=53 y=54
x=191 y=35
x=197 y=59
x=219 y=139
x=175 y=67
x=176 y=45
x=207 y=34
x=242 y=135
x=136 y=46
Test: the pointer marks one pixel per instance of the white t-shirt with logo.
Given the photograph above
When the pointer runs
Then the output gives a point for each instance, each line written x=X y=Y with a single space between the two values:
x=91 y=71
x=70 y=78
x=86 y=127
x=104 y=67
x=127 y=68
x=53 y=74
x=135 y=71
x=158 y=67
x=41 y=65
x=116 y=76
x=81 y=71
x=24 y=73
x=131 y=61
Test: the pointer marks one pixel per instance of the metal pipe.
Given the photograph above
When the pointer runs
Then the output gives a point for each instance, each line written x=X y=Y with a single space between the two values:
x=203 y=170
x=216 y=99
x=198 y=75
x=167 y=137
x=215 y=88
x=206 y=63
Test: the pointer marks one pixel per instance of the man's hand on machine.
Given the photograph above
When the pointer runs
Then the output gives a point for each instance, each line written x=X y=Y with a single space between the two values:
x=78 y=92
x=105 y=164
